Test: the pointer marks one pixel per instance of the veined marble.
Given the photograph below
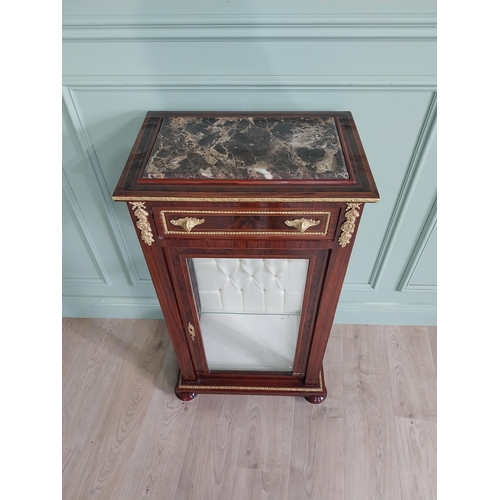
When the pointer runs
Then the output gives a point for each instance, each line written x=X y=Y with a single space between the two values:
x=247 y=148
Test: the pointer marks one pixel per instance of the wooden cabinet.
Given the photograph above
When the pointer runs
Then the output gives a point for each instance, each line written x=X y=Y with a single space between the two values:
x=247 y=222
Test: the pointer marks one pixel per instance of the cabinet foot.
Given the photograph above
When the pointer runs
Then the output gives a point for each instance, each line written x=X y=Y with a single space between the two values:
x=185 y=396
x=315 y=400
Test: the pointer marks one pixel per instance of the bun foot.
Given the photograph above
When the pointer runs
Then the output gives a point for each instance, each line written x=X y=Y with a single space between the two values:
x=185 y=396
x=315 y=400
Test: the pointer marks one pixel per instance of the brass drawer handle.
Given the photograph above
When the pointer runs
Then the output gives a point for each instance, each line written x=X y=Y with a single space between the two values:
x=187 y=223
x=302 y=224
x=191 y=330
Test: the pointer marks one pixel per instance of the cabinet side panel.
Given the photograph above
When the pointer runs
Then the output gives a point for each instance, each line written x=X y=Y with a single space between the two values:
x=337 y=268
x=163 y=285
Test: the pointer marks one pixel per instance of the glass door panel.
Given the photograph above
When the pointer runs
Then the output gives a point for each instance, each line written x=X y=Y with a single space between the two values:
x=249 y=311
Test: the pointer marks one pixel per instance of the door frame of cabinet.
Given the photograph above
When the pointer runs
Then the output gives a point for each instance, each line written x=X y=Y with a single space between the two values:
x=177 y=258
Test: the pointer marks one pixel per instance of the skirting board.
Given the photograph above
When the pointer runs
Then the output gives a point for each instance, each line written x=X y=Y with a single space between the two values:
x=369 y=313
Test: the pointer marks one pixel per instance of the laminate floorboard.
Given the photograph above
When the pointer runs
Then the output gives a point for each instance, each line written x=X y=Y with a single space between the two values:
x=250 y=484
x=317 y=465
x=413 y=374
x=151 y=471
x=127 y=437
x=90 y=376
x=317 y=462
x=120 y=417
x=432 y=332
x=371 y=454
x=209 y=466
x=417 y=458
x=266 y=440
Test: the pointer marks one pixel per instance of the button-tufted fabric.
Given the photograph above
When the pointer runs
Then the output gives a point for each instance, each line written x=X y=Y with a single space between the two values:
x=251 y=285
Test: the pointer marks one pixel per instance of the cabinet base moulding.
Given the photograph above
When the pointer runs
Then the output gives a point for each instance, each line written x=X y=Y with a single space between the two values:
x=186 y=391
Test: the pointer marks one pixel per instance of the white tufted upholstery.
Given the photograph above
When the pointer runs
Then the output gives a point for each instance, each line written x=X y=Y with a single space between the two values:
x=251 y=285
x=260 y=301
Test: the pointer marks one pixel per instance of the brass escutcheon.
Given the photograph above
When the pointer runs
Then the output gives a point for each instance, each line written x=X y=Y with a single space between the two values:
x=191 y=330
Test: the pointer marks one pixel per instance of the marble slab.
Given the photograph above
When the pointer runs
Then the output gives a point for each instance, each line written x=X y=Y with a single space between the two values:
x=260 y=148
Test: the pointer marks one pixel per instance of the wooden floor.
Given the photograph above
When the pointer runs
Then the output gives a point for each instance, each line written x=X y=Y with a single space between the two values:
x=127 y=437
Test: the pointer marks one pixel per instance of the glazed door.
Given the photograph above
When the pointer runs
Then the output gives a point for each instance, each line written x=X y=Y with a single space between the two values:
x=248 y=311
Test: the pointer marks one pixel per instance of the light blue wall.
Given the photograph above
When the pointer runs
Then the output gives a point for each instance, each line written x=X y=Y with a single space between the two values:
x=376 y=59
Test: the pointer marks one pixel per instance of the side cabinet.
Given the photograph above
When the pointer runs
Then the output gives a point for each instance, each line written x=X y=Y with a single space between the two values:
x=247 y=223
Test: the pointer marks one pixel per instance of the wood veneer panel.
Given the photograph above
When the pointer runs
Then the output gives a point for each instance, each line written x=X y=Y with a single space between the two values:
x=371 y=456
x=163 y=285
x=412 y=373
x=234 y=223
x=334 y=279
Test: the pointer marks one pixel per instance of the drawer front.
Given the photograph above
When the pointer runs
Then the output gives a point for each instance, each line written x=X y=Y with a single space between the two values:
x=245 y=223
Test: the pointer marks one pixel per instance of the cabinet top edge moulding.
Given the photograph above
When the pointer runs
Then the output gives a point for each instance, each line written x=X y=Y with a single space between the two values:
x=248 y=157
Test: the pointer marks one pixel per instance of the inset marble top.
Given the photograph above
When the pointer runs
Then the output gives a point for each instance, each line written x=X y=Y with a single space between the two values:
x=225 y=148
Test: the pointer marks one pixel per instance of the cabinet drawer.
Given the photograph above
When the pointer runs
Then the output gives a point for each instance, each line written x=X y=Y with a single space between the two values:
x=269 y=223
